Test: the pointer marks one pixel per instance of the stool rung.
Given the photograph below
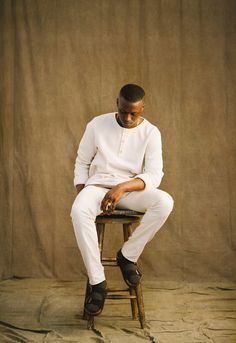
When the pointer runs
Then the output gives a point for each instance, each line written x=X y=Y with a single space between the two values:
x=120 y=296
x=109 y=259
x=109 y=264
x=117 y=290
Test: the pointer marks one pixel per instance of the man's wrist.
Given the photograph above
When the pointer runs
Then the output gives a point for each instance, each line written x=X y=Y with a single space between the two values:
x=79 y=187
x=136 y=184
x=122 y=186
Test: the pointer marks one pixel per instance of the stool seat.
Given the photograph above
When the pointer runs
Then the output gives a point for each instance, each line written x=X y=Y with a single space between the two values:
x=117 y=212
x=127 y=218
x=122 y=216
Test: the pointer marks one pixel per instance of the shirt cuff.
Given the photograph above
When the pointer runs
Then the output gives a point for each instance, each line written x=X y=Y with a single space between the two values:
x=151 y=181
x=80 y=180
x=146 y=180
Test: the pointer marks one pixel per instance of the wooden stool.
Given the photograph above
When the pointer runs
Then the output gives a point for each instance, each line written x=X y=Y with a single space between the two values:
x=126 y=218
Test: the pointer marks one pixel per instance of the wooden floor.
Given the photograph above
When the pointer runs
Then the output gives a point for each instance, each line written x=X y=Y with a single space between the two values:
x=46 y=310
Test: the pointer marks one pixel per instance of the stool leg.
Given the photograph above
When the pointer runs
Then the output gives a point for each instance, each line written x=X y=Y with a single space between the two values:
x=85 y=314
x=90 y=322
x=127 y=231
x=100 y=232
x=141 y=311
x=133 y=303
x=136 y=304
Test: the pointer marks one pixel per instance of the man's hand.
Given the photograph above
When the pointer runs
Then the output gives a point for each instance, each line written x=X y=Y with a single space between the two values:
x=79 y=187
x=114 y=195
x=111 y=198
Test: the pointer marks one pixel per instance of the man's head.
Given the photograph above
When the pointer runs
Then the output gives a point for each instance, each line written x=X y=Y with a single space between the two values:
x=130 y=105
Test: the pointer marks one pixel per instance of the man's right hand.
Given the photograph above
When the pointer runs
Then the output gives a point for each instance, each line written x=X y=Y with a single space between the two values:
x=79 y=187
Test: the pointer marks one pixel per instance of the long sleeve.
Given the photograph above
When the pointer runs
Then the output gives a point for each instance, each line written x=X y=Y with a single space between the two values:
x=153 y=162
x=85 y=155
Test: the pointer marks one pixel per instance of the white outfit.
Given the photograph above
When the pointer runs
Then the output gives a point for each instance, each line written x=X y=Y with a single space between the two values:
x=109 y=154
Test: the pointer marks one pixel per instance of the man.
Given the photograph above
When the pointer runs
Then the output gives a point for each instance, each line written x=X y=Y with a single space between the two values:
x=119 y=165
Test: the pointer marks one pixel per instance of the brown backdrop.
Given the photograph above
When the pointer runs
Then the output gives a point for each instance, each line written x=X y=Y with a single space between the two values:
x=63 y=62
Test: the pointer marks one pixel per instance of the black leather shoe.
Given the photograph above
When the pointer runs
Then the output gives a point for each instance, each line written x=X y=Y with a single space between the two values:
x=95 y=300
x=129 y=270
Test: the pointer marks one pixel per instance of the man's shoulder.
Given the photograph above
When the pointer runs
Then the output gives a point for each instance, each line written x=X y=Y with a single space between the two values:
x=150 y=127
x=102 y=118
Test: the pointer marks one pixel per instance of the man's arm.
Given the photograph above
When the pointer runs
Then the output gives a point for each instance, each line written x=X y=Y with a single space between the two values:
x=153 y=162
x=113 y=196
x=85 y=155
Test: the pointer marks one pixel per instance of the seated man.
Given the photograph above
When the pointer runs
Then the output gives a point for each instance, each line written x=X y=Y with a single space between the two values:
x=119 y=165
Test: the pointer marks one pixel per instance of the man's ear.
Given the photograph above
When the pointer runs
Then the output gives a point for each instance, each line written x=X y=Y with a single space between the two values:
x=143 y=105
x=117 y=101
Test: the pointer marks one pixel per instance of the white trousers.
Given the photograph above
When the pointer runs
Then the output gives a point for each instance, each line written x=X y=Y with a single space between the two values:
x=156 y=204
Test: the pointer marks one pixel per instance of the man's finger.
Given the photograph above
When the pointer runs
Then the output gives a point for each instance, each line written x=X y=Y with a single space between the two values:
x=109 y=206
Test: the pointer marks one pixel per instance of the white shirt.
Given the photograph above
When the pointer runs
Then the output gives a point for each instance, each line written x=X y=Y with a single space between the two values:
x=109 y=154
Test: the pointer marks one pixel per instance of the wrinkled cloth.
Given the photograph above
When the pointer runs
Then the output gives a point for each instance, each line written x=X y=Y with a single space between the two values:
x=62 y=63
x=43 y=310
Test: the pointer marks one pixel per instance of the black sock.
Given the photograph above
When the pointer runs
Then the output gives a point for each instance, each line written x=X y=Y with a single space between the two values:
x=124 y=259
x=102 y=285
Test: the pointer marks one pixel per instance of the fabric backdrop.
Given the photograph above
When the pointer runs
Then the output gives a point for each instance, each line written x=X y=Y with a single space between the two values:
x=62 y=63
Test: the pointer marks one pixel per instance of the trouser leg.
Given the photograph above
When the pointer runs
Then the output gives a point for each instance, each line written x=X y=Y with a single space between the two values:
x=157 y=206
x=83 y=213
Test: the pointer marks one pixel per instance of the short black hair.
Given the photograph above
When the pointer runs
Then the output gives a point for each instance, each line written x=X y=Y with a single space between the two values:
x=132 y=92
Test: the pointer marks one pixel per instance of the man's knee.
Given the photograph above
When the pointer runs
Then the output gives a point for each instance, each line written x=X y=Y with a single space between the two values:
x=74 y=213
x=164 y=203
x=82 y=209
x=168 y=203
x=79 y=210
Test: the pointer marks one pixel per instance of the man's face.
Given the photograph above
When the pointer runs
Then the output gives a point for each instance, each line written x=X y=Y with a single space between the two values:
x=129 y=112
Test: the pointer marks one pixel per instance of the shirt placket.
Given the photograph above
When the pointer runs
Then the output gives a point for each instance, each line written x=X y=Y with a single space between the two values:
x=122 y=142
